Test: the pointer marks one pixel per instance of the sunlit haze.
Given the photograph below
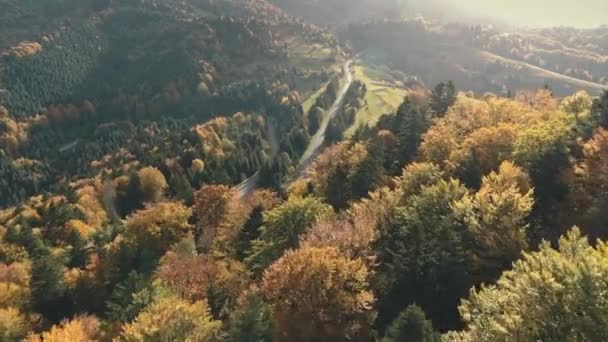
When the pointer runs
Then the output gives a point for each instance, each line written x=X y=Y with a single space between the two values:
x=582 y=13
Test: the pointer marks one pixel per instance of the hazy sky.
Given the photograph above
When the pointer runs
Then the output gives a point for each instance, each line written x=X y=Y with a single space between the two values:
x=585 y=13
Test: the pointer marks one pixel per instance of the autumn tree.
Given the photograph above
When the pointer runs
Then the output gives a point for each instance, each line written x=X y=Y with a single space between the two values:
x=344 y=172
x=282 y=228
x=318 y=294
x=495 y=217
x=83 y=328
x=169 y=318
x=211 y=206
x=160 y=225
x=354 y=231
x=199 y=277
x=549 y=295
x=14 y=325
x=14 y=284
x=490 y=146
x=148 y=234
x=152 y=183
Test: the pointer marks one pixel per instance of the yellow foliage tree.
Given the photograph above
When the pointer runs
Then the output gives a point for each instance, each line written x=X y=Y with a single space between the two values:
x=172 y=319
x=549 y=295
x=80 y=329
x=495 y=217
x=152 y=183
x=160 y=225
x=13 y=324
x=14 y=284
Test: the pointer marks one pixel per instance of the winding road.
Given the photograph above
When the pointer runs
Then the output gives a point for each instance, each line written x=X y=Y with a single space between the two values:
x=249 y=184
x=317 y=140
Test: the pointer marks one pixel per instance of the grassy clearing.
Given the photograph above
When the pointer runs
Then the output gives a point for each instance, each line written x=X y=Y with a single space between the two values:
x=310 y=101
x=381 y=98
x=309 y=55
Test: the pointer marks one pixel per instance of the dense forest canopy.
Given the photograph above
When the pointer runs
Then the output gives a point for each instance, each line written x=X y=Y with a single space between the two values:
x=281 y=170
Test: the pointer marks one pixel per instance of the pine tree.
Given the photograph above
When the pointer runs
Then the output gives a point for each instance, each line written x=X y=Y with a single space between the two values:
x=411 y=326
x=48 y=287
x=600 y=108
x=413 y=122
x=249 y=232
x=251 y=321
x=442 y=97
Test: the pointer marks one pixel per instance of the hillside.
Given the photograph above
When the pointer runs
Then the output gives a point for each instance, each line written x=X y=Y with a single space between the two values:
x=334 y=13
x=434 y=52
x=169 y=63
x=196 y=39
x=299 y=170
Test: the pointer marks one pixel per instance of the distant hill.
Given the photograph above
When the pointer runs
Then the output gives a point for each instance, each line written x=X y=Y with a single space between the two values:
x=151 y=57
x=480 y=59
x=87 y=85
x=340 y=12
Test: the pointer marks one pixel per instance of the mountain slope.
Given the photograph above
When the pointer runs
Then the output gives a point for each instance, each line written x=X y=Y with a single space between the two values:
x=339 y=12
x=434 y=53
x=118 y=83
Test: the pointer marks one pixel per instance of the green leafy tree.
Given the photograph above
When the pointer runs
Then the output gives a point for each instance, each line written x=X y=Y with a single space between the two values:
x=422 y=257
x=282 y=228
x=251 y=321
x=541 y=149
x=345 y=172
x=417 y=175
x=549 y=295
x=128 y=298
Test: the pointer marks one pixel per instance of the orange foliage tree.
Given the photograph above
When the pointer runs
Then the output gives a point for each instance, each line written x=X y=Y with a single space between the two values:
x=318 y=294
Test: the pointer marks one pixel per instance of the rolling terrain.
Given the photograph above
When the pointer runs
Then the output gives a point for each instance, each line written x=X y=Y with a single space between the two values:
x=299 y=170
x=129 y=74
x=433 y=53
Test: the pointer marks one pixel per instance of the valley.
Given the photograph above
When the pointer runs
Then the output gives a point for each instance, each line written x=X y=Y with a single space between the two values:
x=301 y=170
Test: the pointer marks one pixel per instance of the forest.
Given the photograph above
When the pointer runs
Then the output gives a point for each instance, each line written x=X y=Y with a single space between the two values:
x=154 y=184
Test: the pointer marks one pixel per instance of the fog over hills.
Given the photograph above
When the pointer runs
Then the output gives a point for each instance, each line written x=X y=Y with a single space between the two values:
x=303 y=170
x=532 y=13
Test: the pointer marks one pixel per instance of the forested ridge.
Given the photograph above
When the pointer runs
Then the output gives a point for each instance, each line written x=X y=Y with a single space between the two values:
x=127 y=126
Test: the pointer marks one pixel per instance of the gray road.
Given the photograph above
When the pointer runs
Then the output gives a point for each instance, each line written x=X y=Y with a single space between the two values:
x=317 y=140
x=249 y=184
